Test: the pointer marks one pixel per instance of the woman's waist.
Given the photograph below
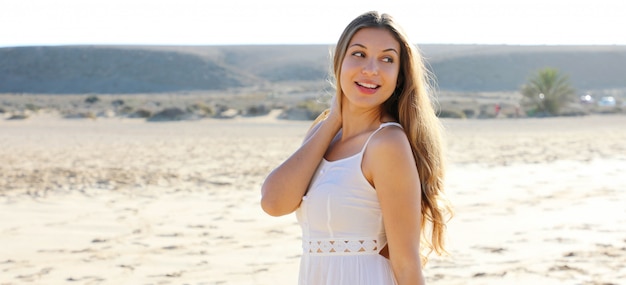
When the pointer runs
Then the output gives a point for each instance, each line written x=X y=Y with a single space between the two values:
x=343 y=245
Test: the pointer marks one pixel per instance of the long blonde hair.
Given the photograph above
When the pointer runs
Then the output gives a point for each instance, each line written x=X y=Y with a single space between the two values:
x=411 y=105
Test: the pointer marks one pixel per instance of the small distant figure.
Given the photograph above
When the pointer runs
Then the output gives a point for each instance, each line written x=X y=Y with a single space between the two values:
x=497 y=109
x=517 y=111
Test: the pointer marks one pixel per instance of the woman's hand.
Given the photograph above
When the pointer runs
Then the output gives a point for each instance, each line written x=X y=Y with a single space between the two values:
x=334 y=115
x=284 y=187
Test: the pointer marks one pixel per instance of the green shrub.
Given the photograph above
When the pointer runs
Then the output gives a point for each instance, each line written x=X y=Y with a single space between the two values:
x=168 y=114
x=126 y=110
x=201 y=108
x=31 y=107
x=141 y=113
x=547 y=92
x=312 y=107
x=257 y=110
x=117 y=103
x=92 y=99
x=79 y=115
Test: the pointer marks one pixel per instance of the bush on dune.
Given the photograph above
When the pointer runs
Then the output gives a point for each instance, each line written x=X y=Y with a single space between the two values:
x=305 y=110
x=140 y=113
x=257 y=110
x=169 y=114
x=547 y=92
x=201 y=109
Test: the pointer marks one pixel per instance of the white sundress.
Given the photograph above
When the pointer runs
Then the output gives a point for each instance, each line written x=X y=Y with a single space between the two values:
x=342 y=227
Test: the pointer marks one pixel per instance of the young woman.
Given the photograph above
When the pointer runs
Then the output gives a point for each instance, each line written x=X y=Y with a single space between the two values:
x=367 y=183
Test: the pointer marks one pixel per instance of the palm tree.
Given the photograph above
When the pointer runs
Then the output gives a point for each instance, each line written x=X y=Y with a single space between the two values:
x=547 y=91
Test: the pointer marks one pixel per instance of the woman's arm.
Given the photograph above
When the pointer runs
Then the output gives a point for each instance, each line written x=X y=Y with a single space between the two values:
x=284 y=187
x=390 y=164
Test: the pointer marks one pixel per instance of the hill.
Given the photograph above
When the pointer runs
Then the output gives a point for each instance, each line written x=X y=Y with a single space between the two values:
x=157 y=69
x=506 y=68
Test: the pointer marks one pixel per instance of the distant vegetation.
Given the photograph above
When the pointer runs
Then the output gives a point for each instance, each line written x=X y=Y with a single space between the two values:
x=547 y=92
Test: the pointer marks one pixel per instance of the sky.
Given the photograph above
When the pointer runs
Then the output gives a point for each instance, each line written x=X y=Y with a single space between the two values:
x=245 y=22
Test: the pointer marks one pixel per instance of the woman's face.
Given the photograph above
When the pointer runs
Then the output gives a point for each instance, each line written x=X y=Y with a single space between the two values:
x=370 y=68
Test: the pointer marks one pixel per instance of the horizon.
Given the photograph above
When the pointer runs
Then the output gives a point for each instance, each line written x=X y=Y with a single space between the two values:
x=245 y=22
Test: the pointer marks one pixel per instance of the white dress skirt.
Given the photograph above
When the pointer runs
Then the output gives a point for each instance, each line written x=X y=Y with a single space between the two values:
x=342 y=227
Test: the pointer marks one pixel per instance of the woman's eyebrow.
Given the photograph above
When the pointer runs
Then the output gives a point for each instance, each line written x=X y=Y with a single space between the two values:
x=392 y=49
x=359 y=45
x=386 y=50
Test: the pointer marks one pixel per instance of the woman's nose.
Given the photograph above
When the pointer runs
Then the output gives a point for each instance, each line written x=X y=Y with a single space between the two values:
x=370 y=67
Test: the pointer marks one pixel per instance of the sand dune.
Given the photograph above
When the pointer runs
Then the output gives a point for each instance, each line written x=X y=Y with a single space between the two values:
x=123 y=201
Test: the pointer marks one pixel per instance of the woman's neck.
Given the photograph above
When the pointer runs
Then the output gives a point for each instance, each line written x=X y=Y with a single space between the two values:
x=355 y=122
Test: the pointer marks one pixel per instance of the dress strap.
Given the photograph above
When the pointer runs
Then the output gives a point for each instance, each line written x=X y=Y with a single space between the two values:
x=389 y=124
x=379 y=128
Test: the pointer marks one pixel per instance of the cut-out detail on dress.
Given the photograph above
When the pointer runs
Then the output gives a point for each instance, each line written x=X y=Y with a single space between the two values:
x=366 y=246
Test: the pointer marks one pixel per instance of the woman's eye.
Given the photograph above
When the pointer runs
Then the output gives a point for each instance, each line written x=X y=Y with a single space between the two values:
x=388 y=59
x=358 y=53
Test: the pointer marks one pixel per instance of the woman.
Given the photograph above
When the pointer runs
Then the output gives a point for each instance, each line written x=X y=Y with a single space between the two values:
x=367 y=183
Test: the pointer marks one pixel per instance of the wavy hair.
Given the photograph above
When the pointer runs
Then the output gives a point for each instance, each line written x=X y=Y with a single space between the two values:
x=411 y=105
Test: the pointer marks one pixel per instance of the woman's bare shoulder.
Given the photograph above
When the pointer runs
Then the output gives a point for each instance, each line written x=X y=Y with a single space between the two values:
x=390 y=135
x=390 y=141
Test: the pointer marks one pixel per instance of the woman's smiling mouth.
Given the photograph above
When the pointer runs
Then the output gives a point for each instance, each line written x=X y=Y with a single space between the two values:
x=368 y=85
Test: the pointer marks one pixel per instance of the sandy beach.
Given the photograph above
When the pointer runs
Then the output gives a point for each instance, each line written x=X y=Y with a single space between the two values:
x=125 y=201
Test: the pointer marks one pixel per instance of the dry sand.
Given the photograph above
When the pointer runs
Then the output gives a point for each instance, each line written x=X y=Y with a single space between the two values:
x=120 y=201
